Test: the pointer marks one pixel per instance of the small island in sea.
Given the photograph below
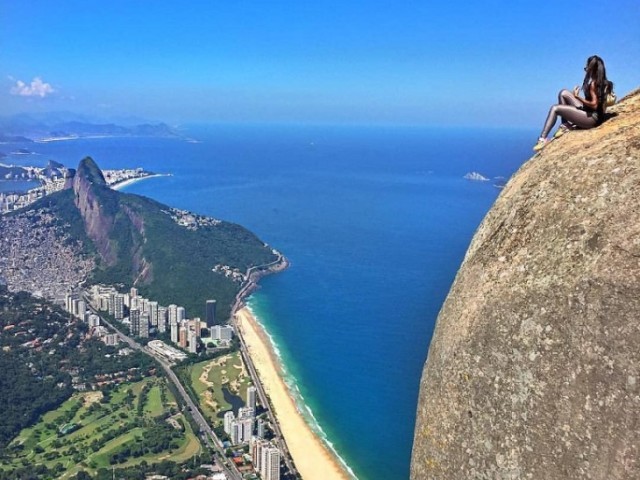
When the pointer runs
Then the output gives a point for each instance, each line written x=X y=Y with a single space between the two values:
x=475 y=176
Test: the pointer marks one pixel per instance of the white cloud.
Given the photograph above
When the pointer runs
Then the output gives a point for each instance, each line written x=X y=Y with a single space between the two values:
x=37 y=88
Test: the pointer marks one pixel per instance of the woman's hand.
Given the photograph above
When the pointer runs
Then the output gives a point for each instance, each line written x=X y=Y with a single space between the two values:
x=576 y=91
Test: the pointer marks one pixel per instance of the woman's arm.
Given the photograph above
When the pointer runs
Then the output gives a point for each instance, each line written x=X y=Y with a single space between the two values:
x=593 y=103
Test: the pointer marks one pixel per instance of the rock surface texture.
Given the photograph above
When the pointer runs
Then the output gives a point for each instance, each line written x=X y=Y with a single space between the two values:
x=534 y=367
x=89 y=187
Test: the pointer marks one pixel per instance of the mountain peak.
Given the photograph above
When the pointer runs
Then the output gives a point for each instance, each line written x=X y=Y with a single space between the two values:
x=89 y=170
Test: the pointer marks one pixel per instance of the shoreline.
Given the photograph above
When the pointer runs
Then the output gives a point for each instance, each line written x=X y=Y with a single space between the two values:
x=131 y=181
x=312 y=457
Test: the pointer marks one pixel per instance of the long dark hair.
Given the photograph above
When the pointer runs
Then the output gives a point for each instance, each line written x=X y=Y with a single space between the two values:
x=597 y=73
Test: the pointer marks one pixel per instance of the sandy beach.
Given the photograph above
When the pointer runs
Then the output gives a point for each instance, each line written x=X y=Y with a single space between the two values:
x=131 y=181
x=310 y=455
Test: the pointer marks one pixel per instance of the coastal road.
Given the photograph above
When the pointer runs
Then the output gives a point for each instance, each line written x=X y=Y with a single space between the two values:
x=250 y=282
x=209 y=435
x=264 y=401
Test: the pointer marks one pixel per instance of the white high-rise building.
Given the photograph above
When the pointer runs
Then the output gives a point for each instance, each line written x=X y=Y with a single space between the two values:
x=111 y=303
x=193 y=341
x=251 y=397
x=256 y=446
x=82 y=310
x=228 y=418
x=174 y=332
x=103 y=303
x=235 y=433
x=182 y=313
x=134 y=303
x=134 y=322
x=260 y=428
x=118 y=311
x=93 y=320
x=74 y=306
x=162 y=319
x=270 y=463
x=196 y=325
x=153 y=313
x=67 y=303
x=144 y=325
x=221 y=332
x=246 y=424
x=172 y=313
x=240 y=430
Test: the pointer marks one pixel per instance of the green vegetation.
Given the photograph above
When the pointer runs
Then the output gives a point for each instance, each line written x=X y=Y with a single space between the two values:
x=171 y=470
x=208 y=379
x=182 y=259
x=43 y=354
x=137 y=424
x=170 y=262
x=48 y=429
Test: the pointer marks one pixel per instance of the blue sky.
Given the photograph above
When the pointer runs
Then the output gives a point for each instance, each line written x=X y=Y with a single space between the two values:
x=397 y=62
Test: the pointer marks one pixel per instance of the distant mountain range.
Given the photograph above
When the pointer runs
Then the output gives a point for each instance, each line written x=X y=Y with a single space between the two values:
x=57 y=125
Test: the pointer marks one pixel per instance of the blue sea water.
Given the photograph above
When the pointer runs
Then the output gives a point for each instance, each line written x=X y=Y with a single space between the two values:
x=17 y=186
x=375 y=222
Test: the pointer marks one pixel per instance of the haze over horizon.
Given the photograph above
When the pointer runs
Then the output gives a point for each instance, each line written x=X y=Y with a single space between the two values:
x=490 y=64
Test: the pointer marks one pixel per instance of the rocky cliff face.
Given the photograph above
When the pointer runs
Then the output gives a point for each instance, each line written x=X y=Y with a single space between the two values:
x=117 y=230
x=94 y=200
x=534 y=368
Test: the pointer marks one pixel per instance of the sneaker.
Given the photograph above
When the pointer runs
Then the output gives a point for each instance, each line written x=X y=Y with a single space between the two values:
x=562 y=129
x=542 y=142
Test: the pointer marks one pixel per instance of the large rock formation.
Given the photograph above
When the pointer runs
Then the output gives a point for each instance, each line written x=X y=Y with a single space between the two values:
x=534 y=368
x=115 y=228
x=97 y=204
x=170 y=255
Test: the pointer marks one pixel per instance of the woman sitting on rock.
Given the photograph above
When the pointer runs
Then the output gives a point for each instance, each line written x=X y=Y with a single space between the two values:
x=578 y=112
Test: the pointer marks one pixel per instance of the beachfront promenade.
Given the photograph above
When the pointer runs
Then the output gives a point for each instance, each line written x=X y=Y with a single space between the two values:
x=264 y=401
x=252 y=276
x=294 y=436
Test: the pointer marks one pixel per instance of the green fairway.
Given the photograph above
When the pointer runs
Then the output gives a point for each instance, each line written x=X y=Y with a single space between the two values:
x=90 y=431
x=101 y=457
x=209 y=378
x=153 y=406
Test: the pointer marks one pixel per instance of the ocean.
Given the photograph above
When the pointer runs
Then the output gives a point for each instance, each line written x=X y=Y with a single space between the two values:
x=375 y=222
x=17 y=186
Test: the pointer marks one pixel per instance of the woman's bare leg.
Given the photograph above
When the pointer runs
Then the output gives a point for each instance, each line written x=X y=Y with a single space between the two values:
x=568 y=113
